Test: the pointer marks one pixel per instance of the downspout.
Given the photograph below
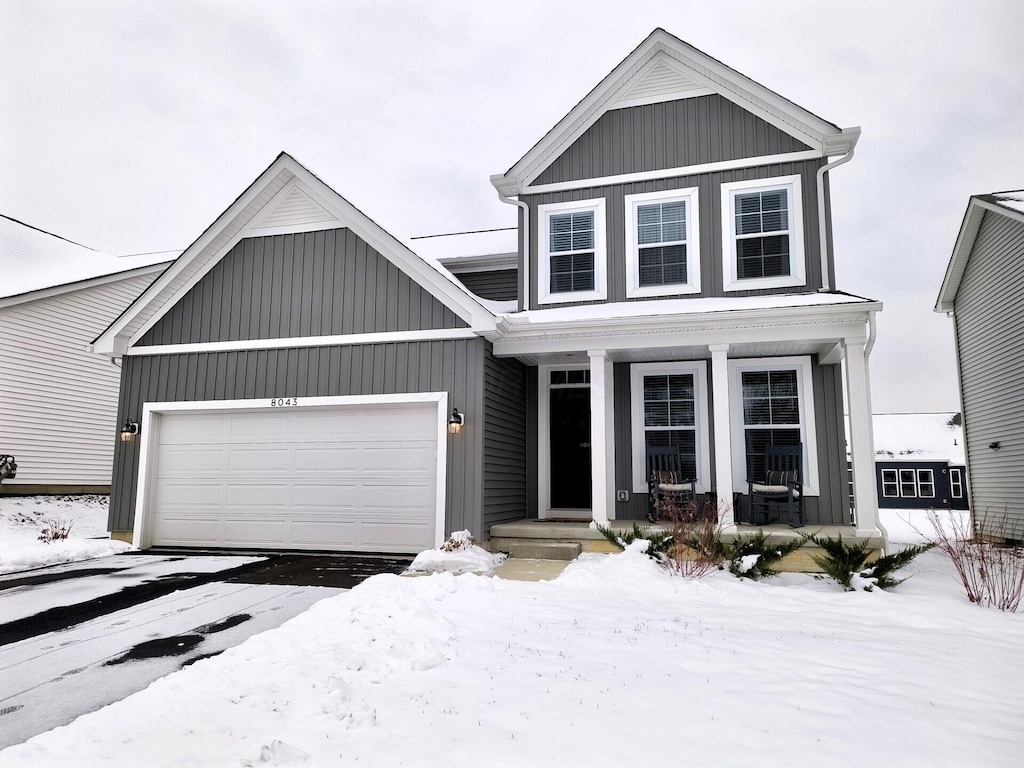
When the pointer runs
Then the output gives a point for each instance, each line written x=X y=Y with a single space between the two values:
x=822 y=229
x=526 y=246
x=872 y=332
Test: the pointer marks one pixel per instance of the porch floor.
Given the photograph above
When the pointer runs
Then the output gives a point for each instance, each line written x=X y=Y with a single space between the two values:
x=507 y=537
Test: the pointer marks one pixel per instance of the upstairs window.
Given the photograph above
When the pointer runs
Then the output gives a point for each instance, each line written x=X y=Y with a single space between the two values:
x=572 y=253
x=762 y=234
x=662 y=243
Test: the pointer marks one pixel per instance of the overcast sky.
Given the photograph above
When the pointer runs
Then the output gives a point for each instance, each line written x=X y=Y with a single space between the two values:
x=130 y=126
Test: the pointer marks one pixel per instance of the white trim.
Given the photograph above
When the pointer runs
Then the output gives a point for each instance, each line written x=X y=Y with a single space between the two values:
x=602 y=438
x=150 y=433
x=600 y=291
x=544 y=509
x=808 y=429
x=78 y=285
x=671 y=173
x=956 y=492
x=797 y=266
x=702 y=433
x=692 y=242
x=241 y=345
x=895 y=482
x=658 y=98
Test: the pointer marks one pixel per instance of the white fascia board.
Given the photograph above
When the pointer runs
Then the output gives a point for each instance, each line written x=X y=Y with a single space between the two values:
x=57 y=290
x=488 y=262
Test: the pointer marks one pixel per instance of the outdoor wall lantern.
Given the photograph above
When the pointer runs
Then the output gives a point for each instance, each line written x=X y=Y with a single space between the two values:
x=455 y=421
x=129 y=430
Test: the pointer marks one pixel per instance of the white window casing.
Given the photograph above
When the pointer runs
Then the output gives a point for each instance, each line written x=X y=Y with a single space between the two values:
x=956 y=483
x=702 y=434
x=925 y=484
x=662 y=235
x=545 y=252
x=890 y=484
x=808 y=432
x=791 y=225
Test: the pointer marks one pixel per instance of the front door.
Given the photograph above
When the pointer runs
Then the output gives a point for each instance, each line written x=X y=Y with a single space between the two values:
x=569 y=422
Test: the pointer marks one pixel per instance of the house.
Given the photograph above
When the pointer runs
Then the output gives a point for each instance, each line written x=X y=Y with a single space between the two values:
x=919 y=458
x=302 y=379
x=983 y=292
x=58 y=402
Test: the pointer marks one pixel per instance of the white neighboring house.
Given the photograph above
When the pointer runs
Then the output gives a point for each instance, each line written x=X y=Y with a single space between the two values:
x=58 y=401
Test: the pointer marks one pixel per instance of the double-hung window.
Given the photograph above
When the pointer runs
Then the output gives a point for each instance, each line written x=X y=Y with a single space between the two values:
x=762 y=234
x=956 y=483
x=890 y=484
x=572 y=252
x=908 y=483
x=669 y=402
x=662 y=243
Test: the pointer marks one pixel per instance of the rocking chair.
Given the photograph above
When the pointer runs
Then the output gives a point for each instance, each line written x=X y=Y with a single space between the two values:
x=669 y=492
x=778 y=497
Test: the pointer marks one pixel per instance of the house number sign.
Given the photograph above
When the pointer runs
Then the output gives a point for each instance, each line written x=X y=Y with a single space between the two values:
x=277 y=402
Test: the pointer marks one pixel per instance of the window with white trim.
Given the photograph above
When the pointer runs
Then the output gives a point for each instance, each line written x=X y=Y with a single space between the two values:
x=890 y=484
x=956 y=483
x=662 y=243
x=925 y=484
x=572 y=252
x=762 y=234
x=669 y=403
x=912 y=483
x=772 y=405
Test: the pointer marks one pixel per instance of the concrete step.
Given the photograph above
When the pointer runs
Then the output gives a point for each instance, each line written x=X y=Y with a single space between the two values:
x=544 y=550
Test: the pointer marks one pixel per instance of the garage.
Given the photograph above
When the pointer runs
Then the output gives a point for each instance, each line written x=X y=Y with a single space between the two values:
x=343 y=474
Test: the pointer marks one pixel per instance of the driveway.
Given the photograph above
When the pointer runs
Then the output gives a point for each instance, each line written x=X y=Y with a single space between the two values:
x=79 y=636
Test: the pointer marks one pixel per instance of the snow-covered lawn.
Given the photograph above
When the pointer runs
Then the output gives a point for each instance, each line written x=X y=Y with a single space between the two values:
x=615 y=662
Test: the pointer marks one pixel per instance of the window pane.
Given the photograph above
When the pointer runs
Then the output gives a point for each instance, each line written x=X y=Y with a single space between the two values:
x=755 y=384
x=763 y=256
x=758 y=439
x=782 y=383
x=655 y=387
x=656 y=414
x=663 y=266
x=925 y=484
x=890 y=487
x=571 y=231
x=908 y=483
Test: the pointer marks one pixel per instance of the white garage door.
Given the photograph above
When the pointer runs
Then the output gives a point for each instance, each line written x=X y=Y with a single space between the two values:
x=348 y=478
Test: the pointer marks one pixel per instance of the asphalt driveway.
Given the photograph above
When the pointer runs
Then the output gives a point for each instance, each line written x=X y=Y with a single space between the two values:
x=79 y=636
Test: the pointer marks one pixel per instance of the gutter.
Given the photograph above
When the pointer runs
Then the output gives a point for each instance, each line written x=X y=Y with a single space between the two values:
x=822 y=229
x=503 y=186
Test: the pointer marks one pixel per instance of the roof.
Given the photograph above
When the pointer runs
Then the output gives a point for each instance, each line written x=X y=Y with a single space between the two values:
x=286 y=197
x=1009 y=204
x=665 y=68
x=918 y=437
x=480 y=249
x=32 y=259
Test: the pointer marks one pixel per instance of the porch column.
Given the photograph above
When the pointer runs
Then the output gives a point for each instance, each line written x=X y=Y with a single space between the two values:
x=723 y=431
x=858 y=392
x=602 y=436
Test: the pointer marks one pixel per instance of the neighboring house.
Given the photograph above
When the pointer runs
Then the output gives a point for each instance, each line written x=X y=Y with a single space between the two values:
x=983 y=292
x=294 y=370
x=919 y=458
x=58 y=402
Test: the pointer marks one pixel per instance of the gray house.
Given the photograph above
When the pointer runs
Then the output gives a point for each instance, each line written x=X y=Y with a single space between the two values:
x=983 y=291
x=296 y=372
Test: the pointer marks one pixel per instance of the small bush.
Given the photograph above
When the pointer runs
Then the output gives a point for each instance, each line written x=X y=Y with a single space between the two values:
x=696 y=545
x=884 y=567
x=753 y=557
x=845 y=562
x=660 y=540
x=55 y=530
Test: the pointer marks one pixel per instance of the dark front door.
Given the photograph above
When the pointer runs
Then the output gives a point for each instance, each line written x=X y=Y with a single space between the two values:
x=570 y=448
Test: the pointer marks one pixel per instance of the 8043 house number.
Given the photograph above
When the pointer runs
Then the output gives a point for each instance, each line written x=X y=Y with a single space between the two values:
x=277 y=402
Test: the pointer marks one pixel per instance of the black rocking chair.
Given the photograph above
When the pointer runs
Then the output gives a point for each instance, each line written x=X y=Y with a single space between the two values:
x=778 y=497
x=669 y=492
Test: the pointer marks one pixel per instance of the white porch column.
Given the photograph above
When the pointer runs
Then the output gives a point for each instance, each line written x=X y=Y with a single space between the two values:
x=858 y=392
x=723 y=431
x=602 y=436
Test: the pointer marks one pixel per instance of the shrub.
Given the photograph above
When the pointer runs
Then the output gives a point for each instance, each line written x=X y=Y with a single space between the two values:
x=753 y=557
x=992 y=573
x=659 y=540
x=843 y=562
x=696 y=547
x=884 y=567
x=55 y=530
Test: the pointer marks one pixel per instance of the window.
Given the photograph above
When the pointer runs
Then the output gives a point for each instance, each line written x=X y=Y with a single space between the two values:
x=890 y=484
x=662 y=243
x=668 y=409
x=956 y=483
x=908 y=483
x=572 y=252
x=772 y=405
x=762 y=234
x=912 y=483
x=925 y=484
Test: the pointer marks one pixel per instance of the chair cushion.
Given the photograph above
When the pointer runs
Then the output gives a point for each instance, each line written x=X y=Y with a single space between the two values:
x=675 y=487
x=781 y=477
x=781 y=489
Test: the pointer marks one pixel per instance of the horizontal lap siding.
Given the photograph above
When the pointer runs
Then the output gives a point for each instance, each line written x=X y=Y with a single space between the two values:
x=303 y=284
x=455 y=367
x=990 y=329
x=496 y=285
x=505 y=440
x=710 y=205
x=672 y=134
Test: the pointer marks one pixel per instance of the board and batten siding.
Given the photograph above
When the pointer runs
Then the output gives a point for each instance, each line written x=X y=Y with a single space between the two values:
x=319 y=283
x=831 y=507
x=989 y=310
x=58 y=401
x=505 y=438
x=710 y=204
x=496 y=285
x=455 y=367
x=669 y=134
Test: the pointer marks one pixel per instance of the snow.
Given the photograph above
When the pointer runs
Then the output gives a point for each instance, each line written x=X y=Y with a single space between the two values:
x=615 y=662
x=466 y=244
x=23 y=517
x=918 y=437
x=1012 y=200
x=459 y=554
x=31 y=259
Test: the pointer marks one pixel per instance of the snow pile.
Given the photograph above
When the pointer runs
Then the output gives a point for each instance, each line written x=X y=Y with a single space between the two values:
x=459 y=554
x=22 y=518
x=918 y=437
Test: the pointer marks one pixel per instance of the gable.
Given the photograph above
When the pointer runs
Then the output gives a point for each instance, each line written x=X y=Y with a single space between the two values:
x=316 y=283
x=673 y=134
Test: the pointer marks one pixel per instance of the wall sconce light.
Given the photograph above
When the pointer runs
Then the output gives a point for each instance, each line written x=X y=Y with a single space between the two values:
x=994 y=446
x=455 y=421
x=129 y=430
